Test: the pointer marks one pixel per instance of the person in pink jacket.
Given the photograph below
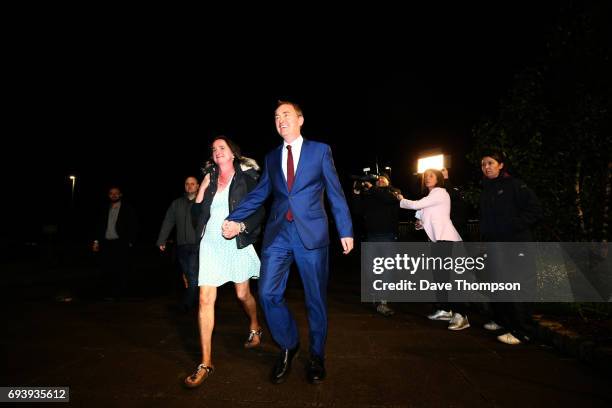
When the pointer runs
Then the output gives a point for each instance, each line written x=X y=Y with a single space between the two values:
x=433 y=213
x=434 y=210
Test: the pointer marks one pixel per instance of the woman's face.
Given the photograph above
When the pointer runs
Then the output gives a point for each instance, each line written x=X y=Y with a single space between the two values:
x=221 y=152
x=430 y=179
x=490 y=167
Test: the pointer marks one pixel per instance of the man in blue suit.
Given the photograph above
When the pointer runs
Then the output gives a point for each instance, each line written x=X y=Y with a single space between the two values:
x=296 y=174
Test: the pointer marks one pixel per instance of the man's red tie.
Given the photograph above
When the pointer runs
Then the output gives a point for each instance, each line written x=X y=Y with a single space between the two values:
x=290 y=178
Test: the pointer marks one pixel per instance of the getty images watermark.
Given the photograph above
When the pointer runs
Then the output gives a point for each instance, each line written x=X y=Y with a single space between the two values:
x=486 y=272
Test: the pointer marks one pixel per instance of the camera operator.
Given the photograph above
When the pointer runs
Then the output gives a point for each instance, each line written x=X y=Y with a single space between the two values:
x=378 y=205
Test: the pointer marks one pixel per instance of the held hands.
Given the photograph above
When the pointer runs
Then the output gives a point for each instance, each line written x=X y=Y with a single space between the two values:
x=347 y=244
x=230 y=229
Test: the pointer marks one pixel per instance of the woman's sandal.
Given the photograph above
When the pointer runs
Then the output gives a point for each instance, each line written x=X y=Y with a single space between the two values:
x=251 y=341
x=202 y=372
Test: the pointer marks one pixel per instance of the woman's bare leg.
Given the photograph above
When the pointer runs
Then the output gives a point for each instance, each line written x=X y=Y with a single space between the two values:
x=243 y=292
x=206 y=319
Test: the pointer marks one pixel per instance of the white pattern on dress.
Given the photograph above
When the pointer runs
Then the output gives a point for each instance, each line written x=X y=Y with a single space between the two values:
x=220 y=259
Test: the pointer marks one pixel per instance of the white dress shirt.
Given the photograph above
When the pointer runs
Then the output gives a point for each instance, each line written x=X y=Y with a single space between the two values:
x=434 y=213
x=111 y=224
x=296 y=149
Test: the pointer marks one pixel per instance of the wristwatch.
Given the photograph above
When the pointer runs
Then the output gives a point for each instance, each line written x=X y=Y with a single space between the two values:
x=243 y=227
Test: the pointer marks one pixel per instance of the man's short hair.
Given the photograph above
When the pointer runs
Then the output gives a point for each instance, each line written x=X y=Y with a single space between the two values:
x=297 y=108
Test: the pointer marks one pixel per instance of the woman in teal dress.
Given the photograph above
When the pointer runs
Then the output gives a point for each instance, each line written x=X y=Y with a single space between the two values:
x=229 y=177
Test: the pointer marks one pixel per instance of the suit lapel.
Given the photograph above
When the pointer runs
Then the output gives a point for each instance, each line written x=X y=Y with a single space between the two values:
x=278 y=157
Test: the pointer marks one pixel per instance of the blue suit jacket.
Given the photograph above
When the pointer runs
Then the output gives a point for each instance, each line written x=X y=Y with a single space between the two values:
x=315 y=174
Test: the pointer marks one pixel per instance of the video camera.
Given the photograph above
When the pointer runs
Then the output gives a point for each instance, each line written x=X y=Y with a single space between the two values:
x=360 y=181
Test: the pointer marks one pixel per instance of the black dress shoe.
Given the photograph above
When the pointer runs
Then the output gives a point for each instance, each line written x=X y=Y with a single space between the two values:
x=283 y=365
x=315 y=371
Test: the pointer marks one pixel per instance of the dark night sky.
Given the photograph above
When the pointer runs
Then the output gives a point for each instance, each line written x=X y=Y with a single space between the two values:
x=99 y=102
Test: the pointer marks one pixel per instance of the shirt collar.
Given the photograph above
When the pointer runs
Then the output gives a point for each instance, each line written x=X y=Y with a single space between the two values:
x=297 y=143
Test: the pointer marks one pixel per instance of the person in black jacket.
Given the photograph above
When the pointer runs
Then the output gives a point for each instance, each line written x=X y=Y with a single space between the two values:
x=508 y=210
x=378 y=205
x=459 y=207
x=229 y=178
x=114 y=236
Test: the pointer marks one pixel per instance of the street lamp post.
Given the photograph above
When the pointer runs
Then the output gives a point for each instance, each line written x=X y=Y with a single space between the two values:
x=73 y=179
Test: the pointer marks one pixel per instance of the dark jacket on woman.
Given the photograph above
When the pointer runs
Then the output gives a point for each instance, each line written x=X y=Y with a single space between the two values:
x=508 y=210
x=244 y=180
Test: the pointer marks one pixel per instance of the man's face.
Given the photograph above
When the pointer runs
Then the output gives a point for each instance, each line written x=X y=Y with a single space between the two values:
x=114 y=194
x=191 y=185
x=288 y=123
x=382 y=182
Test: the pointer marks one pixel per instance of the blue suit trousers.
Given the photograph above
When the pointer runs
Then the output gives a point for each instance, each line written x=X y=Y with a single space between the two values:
x=313 y=267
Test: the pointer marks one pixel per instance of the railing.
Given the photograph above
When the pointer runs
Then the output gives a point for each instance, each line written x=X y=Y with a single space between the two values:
x=407 y=231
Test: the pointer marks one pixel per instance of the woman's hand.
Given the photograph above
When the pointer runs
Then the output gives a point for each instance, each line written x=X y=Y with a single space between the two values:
x=203 y=187
x=206 y=181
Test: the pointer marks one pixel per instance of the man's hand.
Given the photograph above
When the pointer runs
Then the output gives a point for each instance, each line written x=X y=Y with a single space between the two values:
x=347 y=244
x=162 y=247
x=230 y=229
x=95 y=246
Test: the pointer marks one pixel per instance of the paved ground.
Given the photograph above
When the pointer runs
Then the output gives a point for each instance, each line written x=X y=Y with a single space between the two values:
x=136 y=352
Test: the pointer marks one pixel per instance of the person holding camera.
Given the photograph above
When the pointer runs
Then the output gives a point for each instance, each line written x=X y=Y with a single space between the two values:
x=378 y=205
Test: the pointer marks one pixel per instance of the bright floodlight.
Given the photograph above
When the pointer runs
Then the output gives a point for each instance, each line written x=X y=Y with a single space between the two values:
x=431 y=162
